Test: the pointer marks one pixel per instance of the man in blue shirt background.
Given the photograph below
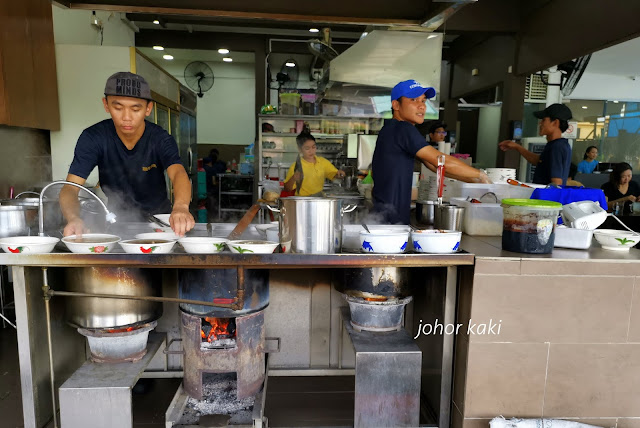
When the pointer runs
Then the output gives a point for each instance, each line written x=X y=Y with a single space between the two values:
x=552 y=165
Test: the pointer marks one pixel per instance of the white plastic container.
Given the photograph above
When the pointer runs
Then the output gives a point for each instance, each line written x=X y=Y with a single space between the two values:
x=481 y=219
x=568 y=237
x=477 y=190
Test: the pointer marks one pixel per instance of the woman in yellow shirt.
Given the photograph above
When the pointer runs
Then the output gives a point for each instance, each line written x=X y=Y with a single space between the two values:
x=314 y=169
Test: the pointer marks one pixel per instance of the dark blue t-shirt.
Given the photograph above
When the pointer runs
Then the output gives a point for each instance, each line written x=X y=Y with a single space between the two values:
x=392 y=169
x=555 y=161
x=133 y=180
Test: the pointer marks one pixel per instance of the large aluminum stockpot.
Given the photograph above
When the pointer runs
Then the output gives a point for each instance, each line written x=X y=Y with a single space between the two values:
x=53 y=219
x=311 y=225
x=13 y=221
x=96 y=312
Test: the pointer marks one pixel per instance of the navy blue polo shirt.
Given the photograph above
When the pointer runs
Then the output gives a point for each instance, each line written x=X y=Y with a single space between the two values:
x=133 y=180
x=555 y=161
x=392 y=169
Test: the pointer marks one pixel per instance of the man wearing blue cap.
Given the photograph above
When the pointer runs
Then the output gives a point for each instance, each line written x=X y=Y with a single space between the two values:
x=132 y=156
x=398 y=144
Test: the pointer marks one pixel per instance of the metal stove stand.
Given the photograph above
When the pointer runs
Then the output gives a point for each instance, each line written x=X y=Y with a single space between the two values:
x=99 y=395
x=388 y=365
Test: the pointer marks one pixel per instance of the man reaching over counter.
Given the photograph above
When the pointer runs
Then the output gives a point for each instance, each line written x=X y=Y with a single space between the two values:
x=131 y=155
x=552 y=166
x=398 y=144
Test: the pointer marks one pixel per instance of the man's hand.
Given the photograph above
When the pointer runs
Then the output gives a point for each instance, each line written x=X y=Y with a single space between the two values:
x=630 y=198
x=507 y=145
x=297 y=176
x=483 y=178
x=75 y=226
x=181 y=220
x=340 y=174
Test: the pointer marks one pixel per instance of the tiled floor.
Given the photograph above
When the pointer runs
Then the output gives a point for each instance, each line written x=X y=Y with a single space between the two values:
x=291 y=402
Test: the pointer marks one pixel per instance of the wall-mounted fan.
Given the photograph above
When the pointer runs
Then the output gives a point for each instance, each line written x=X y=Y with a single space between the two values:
x=322 y=48
x=288 y=75
x=571 y=73
x=199 y=77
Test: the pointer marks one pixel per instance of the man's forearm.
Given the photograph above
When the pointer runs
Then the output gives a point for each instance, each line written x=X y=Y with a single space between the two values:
x=182 y=191
x=69 y=204
x=532 y=158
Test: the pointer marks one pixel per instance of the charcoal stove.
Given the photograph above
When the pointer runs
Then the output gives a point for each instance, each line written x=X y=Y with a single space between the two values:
x=241 y=350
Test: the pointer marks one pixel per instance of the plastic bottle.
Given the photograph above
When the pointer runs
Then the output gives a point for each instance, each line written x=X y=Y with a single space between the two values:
x=234 y=166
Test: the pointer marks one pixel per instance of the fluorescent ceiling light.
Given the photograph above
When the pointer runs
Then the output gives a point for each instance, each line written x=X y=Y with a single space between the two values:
x=227 y=59
x=223 y=51
x=616 y=101
x=167 y=57
x=314 y=30
x=158 y=48
x=585 y=107
x=600 y=119
x=290 y=64
x=155 y=21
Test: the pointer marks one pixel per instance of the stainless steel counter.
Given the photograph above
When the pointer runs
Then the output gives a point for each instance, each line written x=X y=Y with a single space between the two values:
x=222 y=260
x=491 y=247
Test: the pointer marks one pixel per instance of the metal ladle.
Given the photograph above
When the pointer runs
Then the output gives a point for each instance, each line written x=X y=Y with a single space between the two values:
x=366 y=228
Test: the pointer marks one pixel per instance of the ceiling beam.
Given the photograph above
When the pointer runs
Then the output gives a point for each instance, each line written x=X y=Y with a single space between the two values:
x=247 y=15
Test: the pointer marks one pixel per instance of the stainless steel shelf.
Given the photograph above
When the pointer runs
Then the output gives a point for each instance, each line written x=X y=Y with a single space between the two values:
x=290 y=134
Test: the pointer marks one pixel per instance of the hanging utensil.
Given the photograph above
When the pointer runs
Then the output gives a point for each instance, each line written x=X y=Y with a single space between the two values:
x=366 y=228
x=440 y=178
x=298 y=168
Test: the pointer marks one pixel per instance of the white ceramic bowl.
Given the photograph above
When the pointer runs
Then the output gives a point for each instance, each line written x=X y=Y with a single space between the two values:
x=351 y=233
x=28 y=244
x=262 y=228
x=202 y=244
x=384 y=241
x=169 y=236
x=273 y=233
x=252 y=247
x=436 y=241
x=147 y=246
x=222 y=230
x=91 y=243
x=616 y=240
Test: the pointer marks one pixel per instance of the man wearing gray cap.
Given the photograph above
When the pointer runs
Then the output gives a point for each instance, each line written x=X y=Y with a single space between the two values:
x=132 y=156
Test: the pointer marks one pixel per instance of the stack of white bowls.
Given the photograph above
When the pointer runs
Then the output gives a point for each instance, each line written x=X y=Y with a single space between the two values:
x=428 y=189
x=501 y=175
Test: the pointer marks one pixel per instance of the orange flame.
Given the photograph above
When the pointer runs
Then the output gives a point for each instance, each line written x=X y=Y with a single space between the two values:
x=219 y=326
x=120 y=330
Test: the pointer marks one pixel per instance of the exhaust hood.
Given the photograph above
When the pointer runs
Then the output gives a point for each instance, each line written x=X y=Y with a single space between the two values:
x=376 y=63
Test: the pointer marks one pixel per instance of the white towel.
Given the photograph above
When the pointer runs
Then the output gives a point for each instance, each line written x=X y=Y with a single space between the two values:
x=501 y=422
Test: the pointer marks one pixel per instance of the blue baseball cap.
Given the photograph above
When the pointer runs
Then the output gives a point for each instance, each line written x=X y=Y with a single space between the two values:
x=411 y=89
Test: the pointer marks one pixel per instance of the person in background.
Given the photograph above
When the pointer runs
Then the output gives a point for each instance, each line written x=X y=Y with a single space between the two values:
x=218 y=166
x=398 y=144
x=573 y=170
x=315 y=169
x=267 y=127
x=437 y=133
x=132 y=156
x=620 y=188
x=589 y=164
x=552 y=166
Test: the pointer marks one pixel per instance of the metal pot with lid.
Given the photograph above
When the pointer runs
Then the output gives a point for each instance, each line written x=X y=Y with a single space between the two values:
x=311 y=225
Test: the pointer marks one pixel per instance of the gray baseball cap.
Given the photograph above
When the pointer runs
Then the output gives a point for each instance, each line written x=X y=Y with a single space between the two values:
x=125 y=84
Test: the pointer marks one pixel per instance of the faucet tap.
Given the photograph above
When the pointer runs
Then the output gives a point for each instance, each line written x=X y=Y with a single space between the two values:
x=110 y=217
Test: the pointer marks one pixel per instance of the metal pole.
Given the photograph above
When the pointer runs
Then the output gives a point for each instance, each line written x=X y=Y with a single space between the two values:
x=47 y=297
x=52 y=293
